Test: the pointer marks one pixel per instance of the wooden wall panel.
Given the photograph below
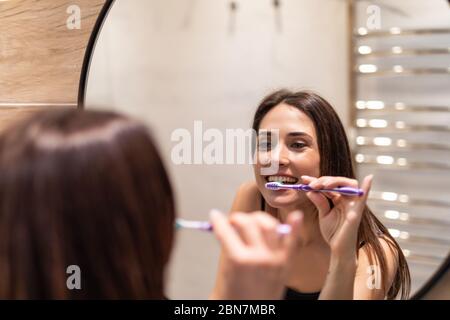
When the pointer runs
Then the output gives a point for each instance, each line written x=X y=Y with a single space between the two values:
x=40 y=57
x=9 y=116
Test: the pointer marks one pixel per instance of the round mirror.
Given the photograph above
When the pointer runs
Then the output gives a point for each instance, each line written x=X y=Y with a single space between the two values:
x=195 y=71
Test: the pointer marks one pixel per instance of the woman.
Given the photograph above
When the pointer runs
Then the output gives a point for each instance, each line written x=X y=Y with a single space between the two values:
x=343 y=251
x=88 y=189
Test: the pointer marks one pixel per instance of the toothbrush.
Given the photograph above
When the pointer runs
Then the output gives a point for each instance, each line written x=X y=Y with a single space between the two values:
x=206 y=226
x=304 y=187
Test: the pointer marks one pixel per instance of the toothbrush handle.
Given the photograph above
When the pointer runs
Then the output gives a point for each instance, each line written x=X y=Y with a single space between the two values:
x=281 y=229
x=343 y=190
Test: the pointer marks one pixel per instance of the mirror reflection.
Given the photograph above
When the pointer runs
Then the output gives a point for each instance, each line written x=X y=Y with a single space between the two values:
x=338 y=83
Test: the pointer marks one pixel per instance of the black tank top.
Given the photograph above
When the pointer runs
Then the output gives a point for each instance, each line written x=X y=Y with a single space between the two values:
x=292 y=294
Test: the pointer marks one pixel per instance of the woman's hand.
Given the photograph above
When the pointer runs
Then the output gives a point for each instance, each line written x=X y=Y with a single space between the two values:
x=255 y=256
x=339 y=225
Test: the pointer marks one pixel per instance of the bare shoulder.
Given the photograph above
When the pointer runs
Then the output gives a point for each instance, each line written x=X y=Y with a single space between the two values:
x=368 y=280
x=391 y=255
x=388 y=247
x=247 y=198
x=248 y=188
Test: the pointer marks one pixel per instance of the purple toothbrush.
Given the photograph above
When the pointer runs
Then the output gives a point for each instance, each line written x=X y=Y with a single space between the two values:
x=304 y=187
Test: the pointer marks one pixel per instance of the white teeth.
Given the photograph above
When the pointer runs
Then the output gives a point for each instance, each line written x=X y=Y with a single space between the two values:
x=282 y=179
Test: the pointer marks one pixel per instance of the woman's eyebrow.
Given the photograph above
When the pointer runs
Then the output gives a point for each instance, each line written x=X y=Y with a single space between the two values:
x=268 y=134
x=299 y=134
x=264 y=134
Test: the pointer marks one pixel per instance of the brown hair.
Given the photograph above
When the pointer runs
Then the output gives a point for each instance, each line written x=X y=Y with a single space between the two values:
x=89 y=189
x=336 y=160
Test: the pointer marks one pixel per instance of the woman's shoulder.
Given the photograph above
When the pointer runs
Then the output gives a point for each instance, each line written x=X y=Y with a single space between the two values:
x=384 y=241
x=386 y=245
x=248 y=198
x=367 y=253
x=248 y=188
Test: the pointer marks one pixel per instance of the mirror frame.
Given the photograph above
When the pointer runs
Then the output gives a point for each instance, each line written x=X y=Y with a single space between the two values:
x=90 y=52
x=433 y=281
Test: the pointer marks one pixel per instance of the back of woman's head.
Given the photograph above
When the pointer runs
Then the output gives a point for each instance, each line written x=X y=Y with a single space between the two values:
x=88 y=189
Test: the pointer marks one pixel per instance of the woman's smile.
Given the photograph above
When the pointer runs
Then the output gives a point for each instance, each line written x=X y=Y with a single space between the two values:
x=282 y=179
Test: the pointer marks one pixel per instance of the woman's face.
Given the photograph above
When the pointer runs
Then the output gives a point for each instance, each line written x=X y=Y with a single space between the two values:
x=296 y=152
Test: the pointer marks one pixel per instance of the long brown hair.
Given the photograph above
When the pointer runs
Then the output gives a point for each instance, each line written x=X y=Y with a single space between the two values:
x=89 y=189
x=336 y=160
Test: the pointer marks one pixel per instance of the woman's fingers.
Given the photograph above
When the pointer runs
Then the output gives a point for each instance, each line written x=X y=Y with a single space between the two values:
x=308 y=179
x=333 y=196
x=248 y=228
x=366 y=185
x=327 y=182
x=225 y=233
x=268 y=228
x=294 y=219
x=320 y=201
x=252 y=230
x=356 y=212
x=258 y=270
x=330 y=182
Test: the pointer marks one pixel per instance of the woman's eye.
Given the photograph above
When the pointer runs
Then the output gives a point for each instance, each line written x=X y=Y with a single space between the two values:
x=298 y=145
x=264 y=146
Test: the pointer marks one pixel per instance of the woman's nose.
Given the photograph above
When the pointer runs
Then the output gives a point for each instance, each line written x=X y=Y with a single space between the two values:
x=283 y=156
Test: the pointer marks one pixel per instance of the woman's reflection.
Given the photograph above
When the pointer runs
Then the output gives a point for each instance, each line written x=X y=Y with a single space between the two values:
x=344 y=251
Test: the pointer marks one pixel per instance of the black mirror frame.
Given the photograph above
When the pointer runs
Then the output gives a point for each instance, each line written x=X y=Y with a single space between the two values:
x=89 y=52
